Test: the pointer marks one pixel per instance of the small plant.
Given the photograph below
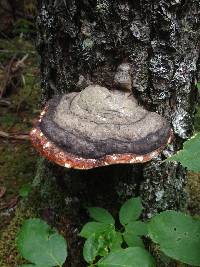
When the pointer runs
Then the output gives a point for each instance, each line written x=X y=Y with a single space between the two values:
x=103 y=246
x=41 y=245
x=25 y=190
x=177 y=234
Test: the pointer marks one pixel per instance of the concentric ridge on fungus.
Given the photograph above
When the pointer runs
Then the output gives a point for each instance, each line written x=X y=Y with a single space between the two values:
x=98 y=127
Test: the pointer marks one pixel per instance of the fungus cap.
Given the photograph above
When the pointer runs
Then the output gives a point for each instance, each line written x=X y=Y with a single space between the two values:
x=98 y=127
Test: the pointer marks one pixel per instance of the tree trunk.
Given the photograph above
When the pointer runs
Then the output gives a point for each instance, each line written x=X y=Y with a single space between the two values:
x=83 y=42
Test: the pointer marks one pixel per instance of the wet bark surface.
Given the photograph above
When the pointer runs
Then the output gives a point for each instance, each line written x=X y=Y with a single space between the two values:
x=83 y=42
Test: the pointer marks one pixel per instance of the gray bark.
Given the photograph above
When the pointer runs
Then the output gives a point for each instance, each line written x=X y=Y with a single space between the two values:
x=83 y=42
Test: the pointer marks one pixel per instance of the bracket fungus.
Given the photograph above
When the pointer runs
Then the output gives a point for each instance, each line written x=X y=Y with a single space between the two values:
x=98 y=127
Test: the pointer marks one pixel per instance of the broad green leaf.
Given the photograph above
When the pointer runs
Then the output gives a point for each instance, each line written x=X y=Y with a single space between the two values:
x=90 y=249
x=130 y=211
x=25 y=190
x=133 y=233
x=101 y=215
x=115 y=240
x=130 y=257
x=133 y=240
x=41 y=245
x=198 y=85
x=91 y=228
x=178 y=236
x=189 y=156
x=137 y=228
x=102 y=245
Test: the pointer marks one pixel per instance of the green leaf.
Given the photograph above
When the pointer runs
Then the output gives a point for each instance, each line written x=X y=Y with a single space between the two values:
x=102 y=245
x=133 y=233
x=41 y=245
x=137 y=228
x=115 y=240
x=178 y=236
x=90 y=249
x=101 y=215
x=189 y=156
x=130 y=257
x=198 y=85
x=91 y=228
x=25 y=190
x=130 y=211
x=133 y=240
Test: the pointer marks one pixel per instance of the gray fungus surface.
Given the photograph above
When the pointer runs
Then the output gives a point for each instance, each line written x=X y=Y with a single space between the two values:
x=98 y=122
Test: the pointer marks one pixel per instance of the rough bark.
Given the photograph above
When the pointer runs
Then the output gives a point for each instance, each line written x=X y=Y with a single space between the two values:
x=83 y=42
